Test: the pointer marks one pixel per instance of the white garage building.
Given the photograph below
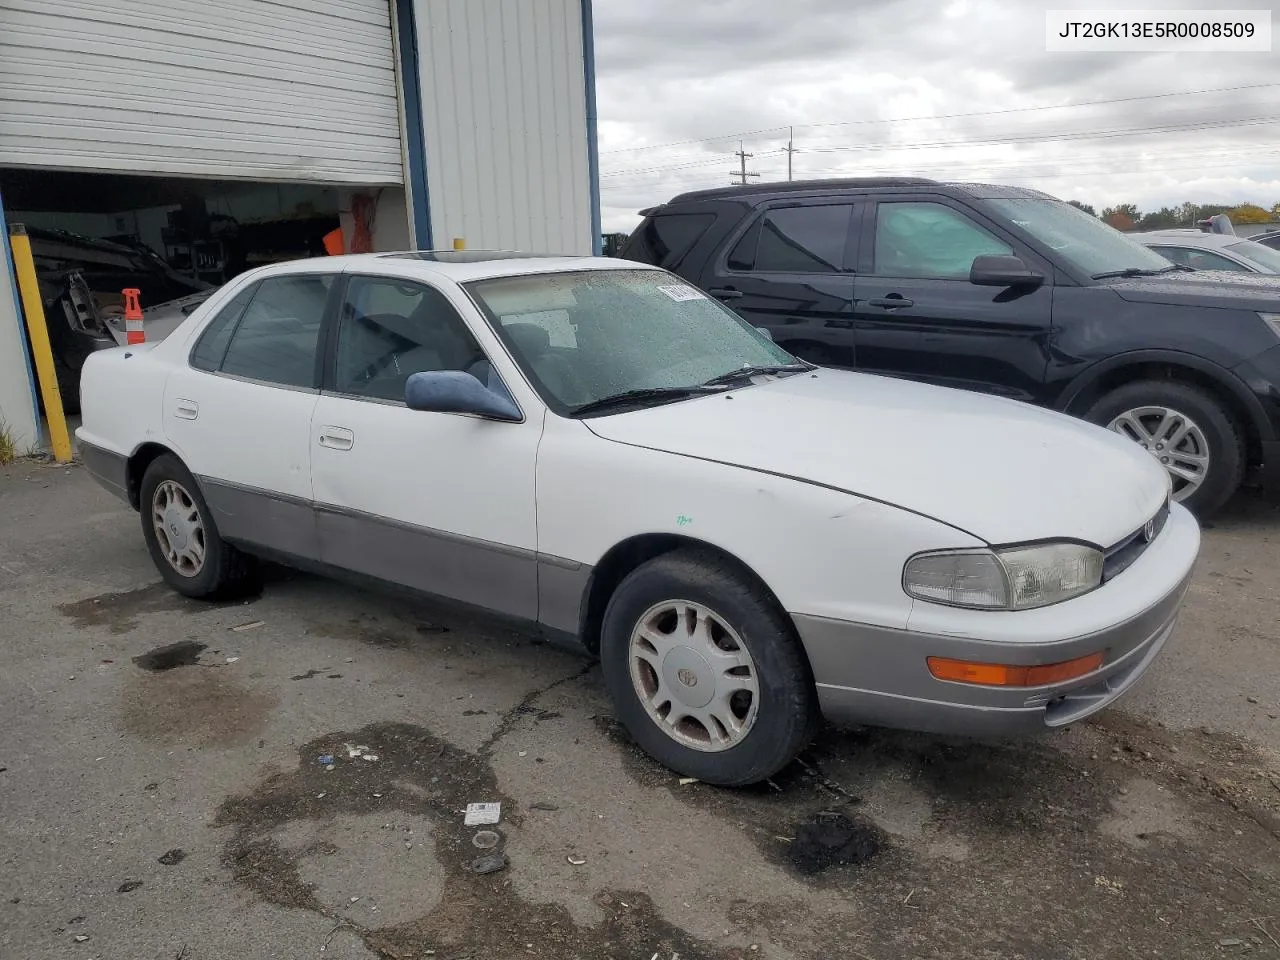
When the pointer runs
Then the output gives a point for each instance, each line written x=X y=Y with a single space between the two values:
x=406 y=123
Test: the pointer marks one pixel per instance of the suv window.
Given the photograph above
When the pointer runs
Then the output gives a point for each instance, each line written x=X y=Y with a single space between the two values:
x=666 y=238
x=929 y=240
x=276 y=338
x=1199 y=259
x=389 y=329
x=795 y=240
x=212 y=345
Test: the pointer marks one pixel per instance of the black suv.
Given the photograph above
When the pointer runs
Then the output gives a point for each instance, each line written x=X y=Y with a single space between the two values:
x=1002 y=290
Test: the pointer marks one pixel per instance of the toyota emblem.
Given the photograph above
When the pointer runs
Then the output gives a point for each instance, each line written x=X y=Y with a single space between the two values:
x=688 y=678
x=1149 y=530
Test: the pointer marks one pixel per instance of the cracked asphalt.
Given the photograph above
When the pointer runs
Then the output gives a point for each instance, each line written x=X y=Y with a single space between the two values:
x=187 y=812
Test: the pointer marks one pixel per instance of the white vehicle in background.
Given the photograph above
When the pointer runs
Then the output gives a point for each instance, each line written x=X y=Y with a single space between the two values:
x=1211 y=251
x=600 y=450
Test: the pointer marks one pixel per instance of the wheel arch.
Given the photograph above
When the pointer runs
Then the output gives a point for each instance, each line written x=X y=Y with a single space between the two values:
x=136 y=467
x=625 y=556
x=1219 y=382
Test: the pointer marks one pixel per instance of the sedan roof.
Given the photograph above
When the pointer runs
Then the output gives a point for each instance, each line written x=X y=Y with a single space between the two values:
x=460 y=266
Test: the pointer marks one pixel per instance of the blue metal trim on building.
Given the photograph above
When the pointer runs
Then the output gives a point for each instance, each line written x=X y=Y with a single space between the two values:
x=17 y=308
x=415 y=136
x=593 y=147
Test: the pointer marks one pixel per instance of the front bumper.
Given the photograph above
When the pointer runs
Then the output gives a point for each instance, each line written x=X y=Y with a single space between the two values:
x=879 y=676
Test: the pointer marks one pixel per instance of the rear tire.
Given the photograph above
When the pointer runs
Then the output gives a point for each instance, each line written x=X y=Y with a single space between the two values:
x=183 y=539
x=717 y=637
x=1154 y=411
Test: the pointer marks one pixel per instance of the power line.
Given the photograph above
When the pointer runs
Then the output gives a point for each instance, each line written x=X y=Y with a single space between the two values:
x=995 y=141
x=949 y=116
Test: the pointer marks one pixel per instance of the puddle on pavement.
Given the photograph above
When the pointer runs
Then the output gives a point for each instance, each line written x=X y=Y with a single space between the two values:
x=419 y=776
x=1160 y=843
x=119 y=612
x=184 y=653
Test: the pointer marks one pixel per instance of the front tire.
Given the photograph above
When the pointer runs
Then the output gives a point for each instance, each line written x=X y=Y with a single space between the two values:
x=182 y=537
x=1190 y=432
x=705 y=671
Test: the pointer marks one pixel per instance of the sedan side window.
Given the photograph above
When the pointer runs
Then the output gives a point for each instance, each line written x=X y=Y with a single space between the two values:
x=1199 y=259
x=212 y=345
x=390 y=329
x=929 y=240
x=276 y=338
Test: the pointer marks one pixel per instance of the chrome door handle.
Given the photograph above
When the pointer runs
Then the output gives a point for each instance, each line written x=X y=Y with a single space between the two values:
x=337 y=438
x=186 y=409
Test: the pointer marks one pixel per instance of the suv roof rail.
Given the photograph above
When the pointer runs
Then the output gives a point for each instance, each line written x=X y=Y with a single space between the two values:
x=795 y=186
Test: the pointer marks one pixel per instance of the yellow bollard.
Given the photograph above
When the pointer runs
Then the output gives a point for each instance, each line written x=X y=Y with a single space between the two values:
x=41 y=350
x=459 y=243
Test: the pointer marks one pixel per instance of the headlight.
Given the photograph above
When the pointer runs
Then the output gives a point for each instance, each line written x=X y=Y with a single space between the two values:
x=1014 y=578
x=1273 y=321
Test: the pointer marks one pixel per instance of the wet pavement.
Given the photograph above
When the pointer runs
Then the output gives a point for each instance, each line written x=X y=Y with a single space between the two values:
x=287 y=776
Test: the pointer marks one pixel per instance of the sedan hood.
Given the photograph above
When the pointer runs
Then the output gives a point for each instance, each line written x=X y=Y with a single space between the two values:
x=1002 y=470
x=1204 y=288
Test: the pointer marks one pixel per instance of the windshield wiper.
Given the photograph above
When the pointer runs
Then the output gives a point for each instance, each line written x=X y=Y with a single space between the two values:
x=730 y=376
x=1136 y=272
x=639 y=397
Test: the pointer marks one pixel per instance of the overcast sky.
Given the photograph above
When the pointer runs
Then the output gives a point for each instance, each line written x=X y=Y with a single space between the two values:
x=871 y=87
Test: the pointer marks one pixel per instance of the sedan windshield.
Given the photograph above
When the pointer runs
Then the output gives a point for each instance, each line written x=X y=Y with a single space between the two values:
x=1259 y=253
x=1081 y=238
x=637 y=336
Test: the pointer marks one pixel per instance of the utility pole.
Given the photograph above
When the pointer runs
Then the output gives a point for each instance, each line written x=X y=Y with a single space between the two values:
x=791 y=148
x=742 y=173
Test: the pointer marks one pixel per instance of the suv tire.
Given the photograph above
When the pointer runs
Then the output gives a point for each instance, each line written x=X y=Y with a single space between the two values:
x=1154 y=411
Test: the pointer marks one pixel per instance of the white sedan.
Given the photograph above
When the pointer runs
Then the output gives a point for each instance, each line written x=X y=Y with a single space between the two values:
x=596 y=448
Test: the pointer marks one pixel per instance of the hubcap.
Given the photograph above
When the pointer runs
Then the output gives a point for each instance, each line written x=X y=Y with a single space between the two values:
x=1174 y=439
x=694 y=675
x=179 y=531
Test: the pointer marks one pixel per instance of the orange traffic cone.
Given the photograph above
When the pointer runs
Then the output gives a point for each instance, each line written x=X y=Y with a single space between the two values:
x=133 y=316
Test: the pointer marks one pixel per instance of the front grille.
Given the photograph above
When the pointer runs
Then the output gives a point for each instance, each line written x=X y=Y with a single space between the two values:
x=1124 y=554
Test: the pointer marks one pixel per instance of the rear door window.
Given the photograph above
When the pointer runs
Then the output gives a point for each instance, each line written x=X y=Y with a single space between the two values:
x=811 y=239
x=277 y=336
x=212 y=345
x=665 y=239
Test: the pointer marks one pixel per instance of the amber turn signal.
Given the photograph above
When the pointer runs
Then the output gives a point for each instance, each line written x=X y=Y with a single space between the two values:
x=1007 y=675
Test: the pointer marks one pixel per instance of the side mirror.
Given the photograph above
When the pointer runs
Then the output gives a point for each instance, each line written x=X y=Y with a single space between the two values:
x=1003 y=271
x=765 y=332
x=452 y=391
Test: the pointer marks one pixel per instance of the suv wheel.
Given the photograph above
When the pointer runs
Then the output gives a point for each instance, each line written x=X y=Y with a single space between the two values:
x=705 y=671
x=1190 y=432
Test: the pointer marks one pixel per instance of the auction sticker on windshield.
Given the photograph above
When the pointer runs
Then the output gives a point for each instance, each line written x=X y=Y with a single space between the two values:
x=680 y=292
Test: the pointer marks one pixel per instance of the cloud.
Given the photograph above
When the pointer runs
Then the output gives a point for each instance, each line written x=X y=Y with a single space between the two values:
x=959 y=90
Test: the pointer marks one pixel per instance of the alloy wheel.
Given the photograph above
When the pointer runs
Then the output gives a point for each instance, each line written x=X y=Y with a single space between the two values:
x=694 y=675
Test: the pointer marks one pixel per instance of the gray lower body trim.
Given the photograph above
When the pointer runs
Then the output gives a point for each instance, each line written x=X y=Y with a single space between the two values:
x=562 y=587
x=109 y=468
x=248 y=516
x=506 y=580
x=879 y=676
x=493 y=576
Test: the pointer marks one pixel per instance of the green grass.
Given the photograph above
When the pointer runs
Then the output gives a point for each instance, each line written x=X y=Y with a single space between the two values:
x=8 y=447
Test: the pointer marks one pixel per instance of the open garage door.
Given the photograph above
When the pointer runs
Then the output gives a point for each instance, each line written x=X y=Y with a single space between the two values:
x=243 y=89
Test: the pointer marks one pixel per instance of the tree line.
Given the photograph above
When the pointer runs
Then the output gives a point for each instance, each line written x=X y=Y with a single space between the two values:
x=1127 y=216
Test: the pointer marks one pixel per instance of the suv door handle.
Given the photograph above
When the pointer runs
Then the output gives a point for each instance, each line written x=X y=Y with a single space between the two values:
x=337 y=438
x=891 y=303
x=725 y=293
